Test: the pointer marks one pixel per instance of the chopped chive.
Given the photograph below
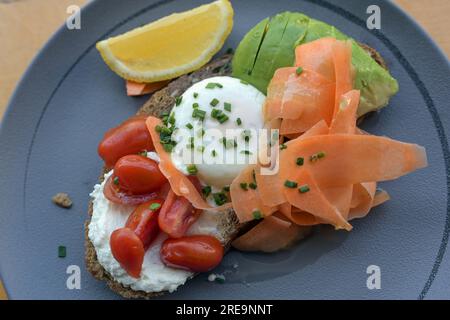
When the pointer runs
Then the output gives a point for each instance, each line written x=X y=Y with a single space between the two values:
x=143 y=153
x=238 y=121
x=116 y=180
x=155 y=206
x=189 y=126
x=283 y=146
x=304 y=188
x=223 y=118
x=172 y=119
x=213 y=85
x=244 y=186
x=229 y=51
x=192 y=169
x=299 y=71
x=206 y=190
x=201 y=132
x=195 y=95
x=195 y=105
x=317 y=156
x=227 y=106
x=226 y=188
x=246 y=135
x=244 y=82
x=252 y=185
x=215 y=113
x=178 y=100
x=168 y=147
x=214 y=102
x=62 y=252
x=201 y=149
x=213 y=153
x=220 y=198
x=200 y=114
x=158 y=128
x=290 y=184
x=257 y=215
x=299 y=161
x=246 y=152
x=254 y=176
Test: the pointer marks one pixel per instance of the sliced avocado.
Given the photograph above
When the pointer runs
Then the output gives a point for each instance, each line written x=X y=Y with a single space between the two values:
x=245 y=56
x=276 y=49
x=271 y=45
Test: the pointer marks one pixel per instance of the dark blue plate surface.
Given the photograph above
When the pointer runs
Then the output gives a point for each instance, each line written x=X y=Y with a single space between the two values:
x=68 y=98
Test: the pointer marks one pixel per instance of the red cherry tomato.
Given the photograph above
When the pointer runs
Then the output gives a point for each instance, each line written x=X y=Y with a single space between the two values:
x=128 y=250
x=138 y=175
x=177 y=215
x=144 y=221
x=130 y=137
x=114 y=194
x=194 y=253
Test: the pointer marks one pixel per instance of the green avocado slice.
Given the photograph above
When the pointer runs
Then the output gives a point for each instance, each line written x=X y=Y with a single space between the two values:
x=259 y=55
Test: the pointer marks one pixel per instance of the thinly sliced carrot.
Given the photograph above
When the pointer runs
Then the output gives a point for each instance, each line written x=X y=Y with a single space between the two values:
x=381 y=196
x=180 y=184
x=317 y=55
x=312 y=200
x=270 y=235
x=138 y=89
x=269 y=185
x=350 y=159
x=362 y=199
x=248 y=204
x=307 y=95
x=345 y=119
x=297 y=216
x=342 y=58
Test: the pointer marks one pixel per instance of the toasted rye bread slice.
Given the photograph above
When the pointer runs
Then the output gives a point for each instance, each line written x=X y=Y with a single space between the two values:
x=160 y=102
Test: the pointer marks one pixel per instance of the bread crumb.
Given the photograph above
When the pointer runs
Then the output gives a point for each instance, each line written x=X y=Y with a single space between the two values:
x=62 y=199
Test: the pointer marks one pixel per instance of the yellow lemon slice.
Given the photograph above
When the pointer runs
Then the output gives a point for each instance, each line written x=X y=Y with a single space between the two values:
x=171 y=46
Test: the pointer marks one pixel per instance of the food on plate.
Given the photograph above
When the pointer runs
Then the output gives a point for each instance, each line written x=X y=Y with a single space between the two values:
x=139 y=88
x=63 y=200
x=253 y=160
x=171 y=46
x=259 y=55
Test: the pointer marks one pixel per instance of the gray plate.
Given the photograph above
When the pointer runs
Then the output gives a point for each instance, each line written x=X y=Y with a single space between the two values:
x=68 y=98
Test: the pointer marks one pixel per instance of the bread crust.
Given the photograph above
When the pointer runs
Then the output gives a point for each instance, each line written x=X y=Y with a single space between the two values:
x=161 y=102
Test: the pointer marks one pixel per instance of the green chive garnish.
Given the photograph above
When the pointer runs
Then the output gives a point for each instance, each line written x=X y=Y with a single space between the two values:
x=300 y=161
x=290 y=184
x=195 y=105
x=246 y=135
x=215 y=113
x=257 y=215
x=192 y=169
x=172 y=119
x=206 y=190
x=227 y=106
x=303 y=189
x=200 y=114
x=201 y=148
x=116 y=180
x=214 y=102
x=189 y=126
x=244 y=82
x=168 y=147
x=178 y=100
x=155 y=206
x=283 y=146
x=299 y=71
x=246 y=152
x=252 y=185
x=223 y=118
x=244 y=186
x=143 y=153
x=220 y=198
x=212 y=85
x=62 y=252
x=213 y=153
x=238 y=121
x=317 y=156
x=195 y=95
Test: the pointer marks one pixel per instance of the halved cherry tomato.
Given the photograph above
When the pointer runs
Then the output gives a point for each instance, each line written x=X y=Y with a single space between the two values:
x=114 y=194
x=128 y=250
x=130 y=137
x=194 y=253
x=144 y=221
x=177 y=215
x=138 y=175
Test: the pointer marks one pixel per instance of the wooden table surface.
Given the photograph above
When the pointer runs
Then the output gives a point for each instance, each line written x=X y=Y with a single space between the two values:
x=25 y=25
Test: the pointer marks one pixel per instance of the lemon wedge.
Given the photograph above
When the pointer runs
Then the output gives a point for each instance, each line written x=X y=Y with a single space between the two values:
x=171 y=46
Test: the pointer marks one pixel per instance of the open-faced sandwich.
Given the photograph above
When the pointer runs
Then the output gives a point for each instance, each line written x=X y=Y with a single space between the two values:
x=250 y=150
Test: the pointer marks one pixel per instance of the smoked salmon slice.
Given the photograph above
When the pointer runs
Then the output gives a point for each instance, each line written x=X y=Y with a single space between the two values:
x=181 y=185
x=138 y=89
